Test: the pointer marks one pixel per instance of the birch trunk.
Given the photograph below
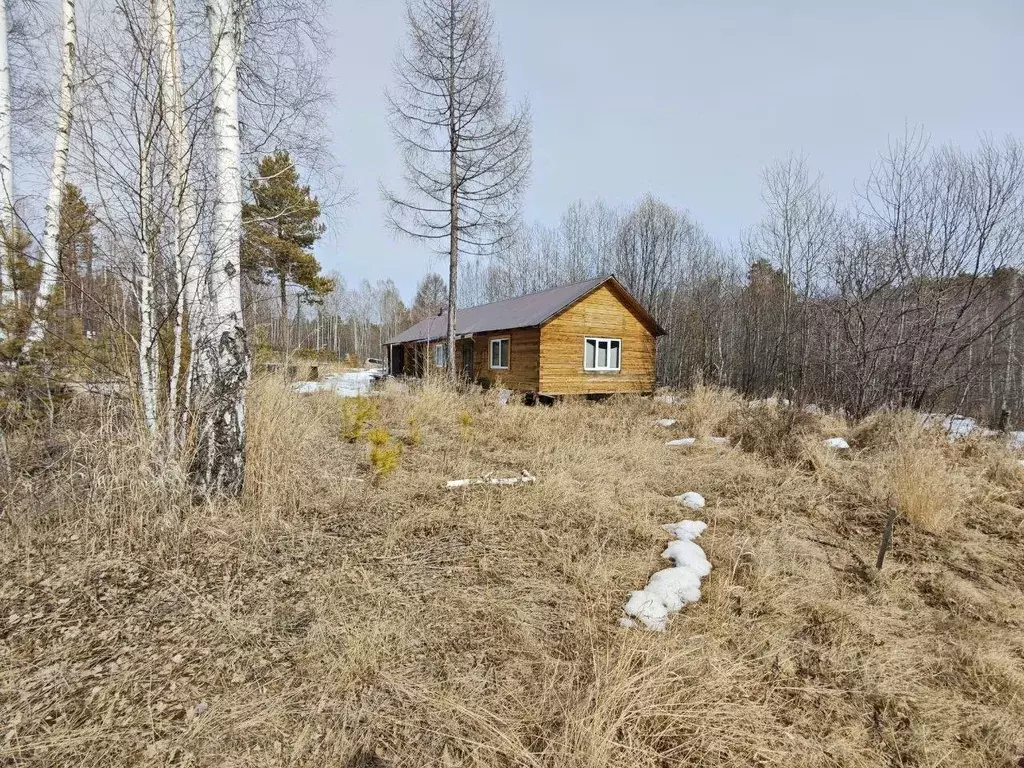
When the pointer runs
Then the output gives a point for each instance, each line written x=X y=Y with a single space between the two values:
x=185 y=233
x=58 y=172
x=148 y=367
x=6 y=167
x=224 y=355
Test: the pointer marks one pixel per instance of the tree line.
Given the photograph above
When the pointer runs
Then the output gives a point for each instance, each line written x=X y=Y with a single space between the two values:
x=910 y=295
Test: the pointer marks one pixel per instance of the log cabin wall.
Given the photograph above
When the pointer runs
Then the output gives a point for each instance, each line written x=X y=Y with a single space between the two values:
x=524 y=353
x=601 y=314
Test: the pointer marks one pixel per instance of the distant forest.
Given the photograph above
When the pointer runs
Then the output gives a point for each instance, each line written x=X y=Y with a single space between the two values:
x=908 y=296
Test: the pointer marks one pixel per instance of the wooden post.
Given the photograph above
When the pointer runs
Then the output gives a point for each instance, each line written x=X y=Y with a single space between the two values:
x=886 y=538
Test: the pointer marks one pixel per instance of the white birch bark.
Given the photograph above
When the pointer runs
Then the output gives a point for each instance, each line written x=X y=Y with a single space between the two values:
x=222 y=349
x=148 y=366
x=58 y=172
x=185 y=234
x=6 y=165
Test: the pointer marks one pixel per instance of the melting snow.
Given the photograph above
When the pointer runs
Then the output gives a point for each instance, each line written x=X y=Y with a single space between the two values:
x=691 y=499
x=837 y=443
x=686 y=530
x=670 y=589
x=685 y=442
x=349 y=384
x=664 y=422
x=682 y=441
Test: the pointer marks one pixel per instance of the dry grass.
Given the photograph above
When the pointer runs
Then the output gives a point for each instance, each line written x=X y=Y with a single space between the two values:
x=330 y=618
x=922 y=484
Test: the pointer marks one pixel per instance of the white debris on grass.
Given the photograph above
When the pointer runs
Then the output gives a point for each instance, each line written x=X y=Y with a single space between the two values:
x=691 y=499
x=664 y=422
x=837 y=443
x=348 y=384
x=670 y=589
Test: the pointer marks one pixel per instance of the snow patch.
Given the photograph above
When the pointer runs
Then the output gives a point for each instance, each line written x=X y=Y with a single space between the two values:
x=348 y=384
x=687 y=554
x=686 y=530
x=837 y=443
x=1016 y=441
x=682 y=442
x=664 y=422
x=670 y=589
x=686 y=442
x=691 y=499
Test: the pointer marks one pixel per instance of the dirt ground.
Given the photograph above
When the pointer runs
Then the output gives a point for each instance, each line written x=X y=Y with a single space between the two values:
x=335 y=617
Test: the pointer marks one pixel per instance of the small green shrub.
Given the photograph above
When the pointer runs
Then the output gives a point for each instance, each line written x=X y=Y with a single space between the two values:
x=356 y=412
x=384 y=452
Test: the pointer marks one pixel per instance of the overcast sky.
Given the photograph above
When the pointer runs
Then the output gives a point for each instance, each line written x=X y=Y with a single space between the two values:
x=686 y=99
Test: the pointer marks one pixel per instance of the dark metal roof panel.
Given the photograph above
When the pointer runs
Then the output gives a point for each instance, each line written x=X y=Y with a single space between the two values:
x=522 y=312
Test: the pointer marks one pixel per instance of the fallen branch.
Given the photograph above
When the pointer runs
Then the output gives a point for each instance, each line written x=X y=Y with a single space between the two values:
x=525 y=477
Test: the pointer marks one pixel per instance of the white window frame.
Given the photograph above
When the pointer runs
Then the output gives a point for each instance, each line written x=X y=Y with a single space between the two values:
x=599 y=368
x=498 y=340
x=441 y=350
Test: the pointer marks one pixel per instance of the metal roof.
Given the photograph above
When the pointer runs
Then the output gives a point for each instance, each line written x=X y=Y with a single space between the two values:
x=522 y=312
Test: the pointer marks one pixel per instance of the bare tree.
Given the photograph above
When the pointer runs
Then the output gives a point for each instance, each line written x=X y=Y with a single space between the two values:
x=466 y=160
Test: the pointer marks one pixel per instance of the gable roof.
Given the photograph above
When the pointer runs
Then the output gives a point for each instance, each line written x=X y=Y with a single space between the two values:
x=521 y=312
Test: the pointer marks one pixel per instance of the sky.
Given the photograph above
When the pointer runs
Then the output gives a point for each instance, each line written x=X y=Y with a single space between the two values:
x=689 y=100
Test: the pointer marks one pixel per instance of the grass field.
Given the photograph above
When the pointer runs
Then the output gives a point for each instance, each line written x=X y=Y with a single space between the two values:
x=343 y=615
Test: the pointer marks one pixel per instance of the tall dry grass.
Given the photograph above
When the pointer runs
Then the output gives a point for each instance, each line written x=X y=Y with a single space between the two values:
x=922 y=483
x=334 y=618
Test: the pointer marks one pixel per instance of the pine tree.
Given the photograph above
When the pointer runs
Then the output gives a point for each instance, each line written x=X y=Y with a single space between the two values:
x=431 y=293
x=281 y=224
x=75 y=250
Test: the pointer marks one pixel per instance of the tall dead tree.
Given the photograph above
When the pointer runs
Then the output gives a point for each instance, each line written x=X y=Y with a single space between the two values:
x=466 y=158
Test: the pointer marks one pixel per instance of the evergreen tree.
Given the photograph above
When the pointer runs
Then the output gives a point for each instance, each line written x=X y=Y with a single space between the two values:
x=281 y=224
x=75 y=251
x=431 y=292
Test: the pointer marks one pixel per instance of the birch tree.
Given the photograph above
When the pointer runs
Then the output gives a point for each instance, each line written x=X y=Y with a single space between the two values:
x=466 y=158
x=222 y=352
x=58 y=173
x=184 y=236
x=6 y=163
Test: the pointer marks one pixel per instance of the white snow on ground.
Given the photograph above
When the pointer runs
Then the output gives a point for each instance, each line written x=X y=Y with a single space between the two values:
x=686 y=530
x=670 y=589
x=956 y=426
x=837 y=443
x=664 y=422
x=682 y=441
x=688 y=555
x=348 y=384
x=691 y=499
x=686 y=442
x=1016 y=441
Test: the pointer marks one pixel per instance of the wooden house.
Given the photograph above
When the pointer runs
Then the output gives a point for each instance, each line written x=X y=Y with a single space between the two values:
x=588 y=338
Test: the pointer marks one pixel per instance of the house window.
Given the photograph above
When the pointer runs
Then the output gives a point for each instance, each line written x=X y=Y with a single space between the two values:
x=602 y=354
x=499 y=353
x=440 y=355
